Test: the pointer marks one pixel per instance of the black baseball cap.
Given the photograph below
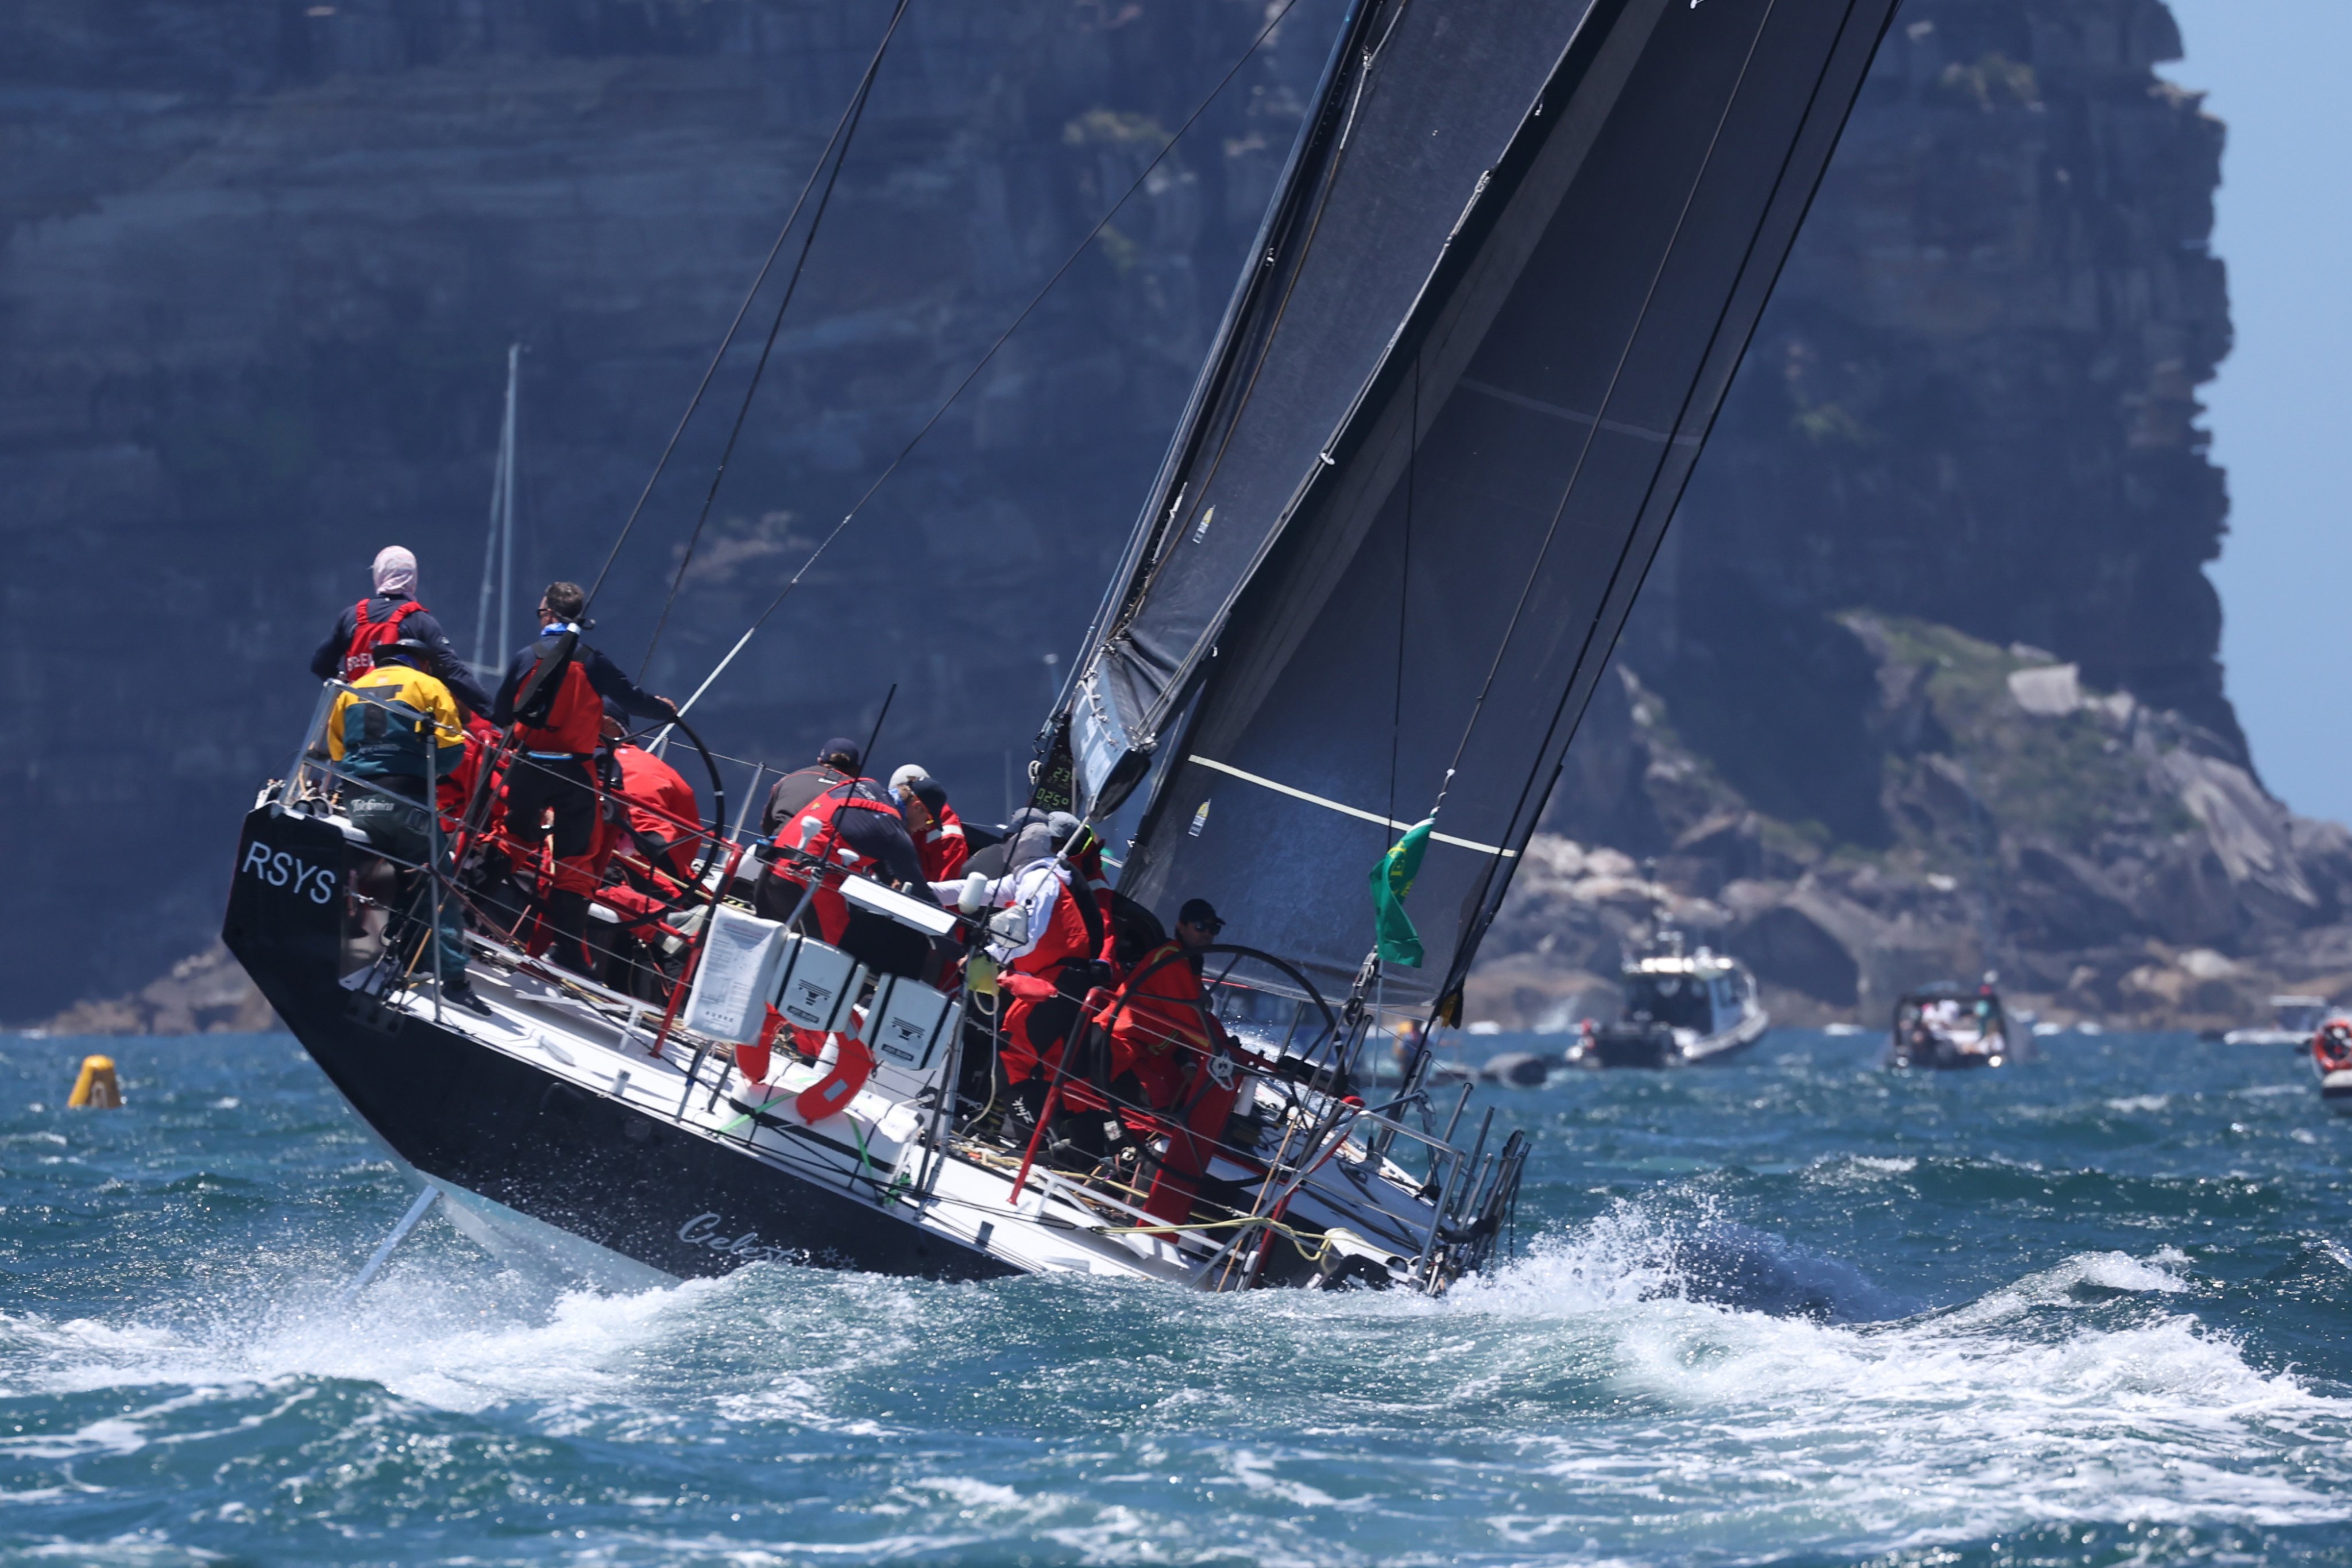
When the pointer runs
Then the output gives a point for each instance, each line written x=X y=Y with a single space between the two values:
x=411 y=649
x=841 y=746
x=1199 y=913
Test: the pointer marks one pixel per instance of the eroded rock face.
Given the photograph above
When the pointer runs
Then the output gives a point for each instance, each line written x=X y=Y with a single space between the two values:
x=1970 y=409
x=260 y=266
x=1971 y=401
x=208 y=993
x=261 y=262
x=2106 y=857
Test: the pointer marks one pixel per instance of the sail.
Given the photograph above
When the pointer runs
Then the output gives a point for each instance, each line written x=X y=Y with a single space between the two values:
x=1414 y=109
x=1433 y=585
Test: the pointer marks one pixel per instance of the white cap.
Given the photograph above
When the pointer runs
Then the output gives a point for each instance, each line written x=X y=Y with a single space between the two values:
x=908 y=777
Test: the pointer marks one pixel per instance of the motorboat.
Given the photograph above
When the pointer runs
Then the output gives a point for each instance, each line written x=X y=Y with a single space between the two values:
x=1682 y=1009
x=2294 y=1019
x=1947 y=1025
x=2331 y=1063
x=1440 y=424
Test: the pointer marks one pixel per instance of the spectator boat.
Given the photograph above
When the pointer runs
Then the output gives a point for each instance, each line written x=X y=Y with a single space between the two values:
x=1947 y=1025
x=1682 y=1009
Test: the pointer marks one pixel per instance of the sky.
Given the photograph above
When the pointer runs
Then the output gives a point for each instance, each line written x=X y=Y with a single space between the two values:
x=2274 y=71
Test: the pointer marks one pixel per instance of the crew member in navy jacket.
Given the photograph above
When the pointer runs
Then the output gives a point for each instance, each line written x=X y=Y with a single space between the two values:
x=554 y=739
x=389 y=614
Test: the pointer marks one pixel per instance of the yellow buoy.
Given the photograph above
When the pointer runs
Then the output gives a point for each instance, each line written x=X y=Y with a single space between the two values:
x=97 y=1088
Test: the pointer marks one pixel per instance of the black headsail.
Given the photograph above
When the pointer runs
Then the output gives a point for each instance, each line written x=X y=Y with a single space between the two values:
x=1512 y=274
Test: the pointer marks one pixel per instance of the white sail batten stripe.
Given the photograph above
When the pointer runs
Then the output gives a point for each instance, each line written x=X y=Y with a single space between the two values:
x=1358 y=814
x=1576 y=416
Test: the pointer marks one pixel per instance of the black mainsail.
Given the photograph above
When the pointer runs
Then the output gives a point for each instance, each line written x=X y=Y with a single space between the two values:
x=1518 y=257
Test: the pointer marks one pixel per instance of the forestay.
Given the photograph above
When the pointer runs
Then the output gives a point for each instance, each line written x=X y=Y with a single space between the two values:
x=1433 y=504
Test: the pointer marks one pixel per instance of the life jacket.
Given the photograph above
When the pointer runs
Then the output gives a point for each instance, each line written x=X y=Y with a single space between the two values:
x=812 y=829
x=556 y=710
x=659 y=805
x=1062 y=941
x=369 y=636
x=379 y=728
x=943 y=848
x=1093 y=885
x=1162 y=1027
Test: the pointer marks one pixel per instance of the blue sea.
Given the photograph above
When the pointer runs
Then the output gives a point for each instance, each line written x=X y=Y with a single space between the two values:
x=2094 y=1309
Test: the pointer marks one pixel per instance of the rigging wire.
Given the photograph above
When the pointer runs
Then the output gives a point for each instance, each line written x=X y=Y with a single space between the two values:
x=1483 y=914
x=1404 y=590
x=1584 y=451
x=728 y=341
x=1369 y=57
x=1273 y=21
x=846 y=133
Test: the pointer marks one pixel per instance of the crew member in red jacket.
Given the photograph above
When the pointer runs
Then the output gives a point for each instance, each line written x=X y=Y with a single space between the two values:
x=644 y=854
x=1166 y=1035
x=936 y=828
x=650 y=807
x=1043 y=978
x=1163 y=1030
x=853 y=827
x=553 y=700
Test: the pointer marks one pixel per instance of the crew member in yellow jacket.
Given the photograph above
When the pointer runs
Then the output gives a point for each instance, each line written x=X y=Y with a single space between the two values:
x=380 y=735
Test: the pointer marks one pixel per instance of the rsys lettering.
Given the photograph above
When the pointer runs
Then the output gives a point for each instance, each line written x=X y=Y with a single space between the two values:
x=280 y=870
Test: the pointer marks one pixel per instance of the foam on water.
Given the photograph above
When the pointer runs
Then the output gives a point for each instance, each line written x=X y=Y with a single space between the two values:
x=1832 y=1356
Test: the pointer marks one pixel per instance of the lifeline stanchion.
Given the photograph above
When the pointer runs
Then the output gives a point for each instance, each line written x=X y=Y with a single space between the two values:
x=384 y=1253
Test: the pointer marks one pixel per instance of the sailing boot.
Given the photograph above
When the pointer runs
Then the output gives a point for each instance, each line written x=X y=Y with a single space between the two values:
x=567 y=915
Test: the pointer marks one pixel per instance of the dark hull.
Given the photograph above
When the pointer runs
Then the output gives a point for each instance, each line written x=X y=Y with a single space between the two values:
x=1724 y=1054
x=645 y=1187
x=1630 y=1050
x=1943 y=1061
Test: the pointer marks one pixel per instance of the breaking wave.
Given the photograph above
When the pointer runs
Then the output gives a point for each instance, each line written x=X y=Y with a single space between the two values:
x=1823 y=1359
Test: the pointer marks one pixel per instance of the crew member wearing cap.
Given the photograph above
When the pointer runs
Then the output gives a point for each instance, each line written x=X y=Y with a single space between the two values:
x=395 y=727
x=554 y=698
x=1163 y=1029
x=836 y=761
x=1166 y=1035
x=937 y=831
x=852 y=828
x=390 y=614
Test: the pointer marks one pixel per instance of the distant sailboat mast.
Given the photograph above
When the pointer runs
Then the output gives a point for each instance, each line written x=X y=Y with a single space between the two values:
x=497 y=550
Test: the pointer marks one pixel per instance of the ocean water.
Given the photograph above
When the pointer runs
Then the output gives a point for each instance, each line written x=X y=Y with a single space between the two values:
x=2092 y=1309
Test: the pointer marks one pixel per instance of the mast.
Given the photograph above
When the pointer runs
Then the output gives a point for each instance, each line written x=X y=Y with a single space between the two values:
x=1395 y=543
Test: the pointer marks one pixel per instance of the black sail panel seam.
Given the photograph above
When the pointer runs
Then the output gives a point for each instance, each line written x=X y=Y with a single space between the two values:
x=1488 y=893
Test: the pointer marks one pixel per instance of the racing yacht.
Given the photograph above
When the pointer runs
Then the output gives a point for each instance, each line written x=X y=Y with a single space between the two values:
x=1513 y=258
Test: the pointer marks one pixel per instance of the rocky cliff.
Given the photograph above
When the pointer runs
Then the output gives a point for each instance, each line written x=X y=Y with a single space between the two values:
x=1925 y=681
x=260 y=264
x=262 y=259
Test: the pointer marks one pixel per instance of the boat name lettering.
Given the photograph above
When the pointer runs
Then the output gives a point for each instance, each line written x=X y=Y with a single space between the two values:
x=278 y=868
x=703 y=1230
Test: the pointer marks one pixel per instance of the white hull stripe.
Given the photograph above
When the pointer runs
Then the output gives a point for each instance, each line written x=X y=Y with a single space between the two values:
x=1348 y=810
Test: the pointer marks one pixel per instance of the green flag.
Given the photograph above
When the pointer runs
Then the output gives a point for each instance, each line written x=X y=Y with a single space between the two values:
x=1391 y=880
